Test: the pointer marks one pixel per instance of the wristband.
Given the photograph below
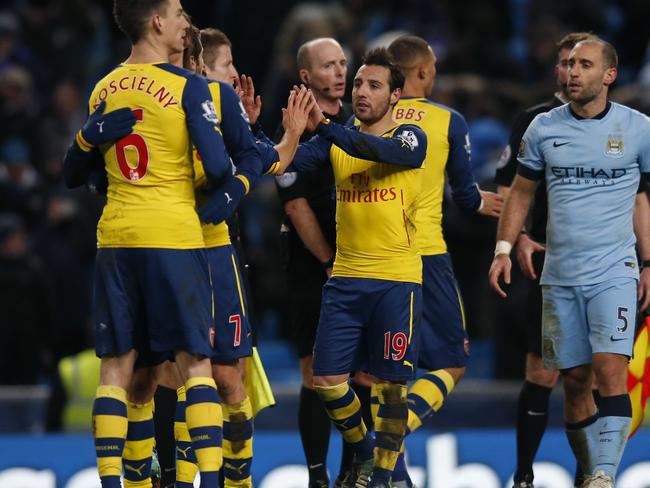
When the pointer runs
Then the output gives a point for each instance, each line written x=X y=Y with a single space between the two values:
x=645 y=264
x=329 y=263
x=83 y=143
x=502 y=247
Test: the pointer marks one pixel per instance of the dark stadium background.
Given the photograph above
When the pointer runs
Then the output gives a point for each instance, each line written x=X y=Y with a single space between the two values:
x=495 y=58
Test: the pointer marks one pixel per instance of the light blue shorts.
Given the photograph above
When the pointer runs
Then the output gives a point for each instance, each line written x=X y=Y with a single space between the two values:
x=578 y=321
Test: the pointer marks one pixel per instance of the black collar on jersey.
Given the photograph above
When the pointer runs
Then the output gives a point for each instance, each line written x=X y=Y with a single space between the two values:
x=597 y=117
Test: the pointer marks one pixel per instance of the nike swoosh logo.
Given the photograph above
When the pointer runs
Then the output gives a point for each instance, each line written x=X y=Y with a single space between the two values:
x=616 y=339
x=558 y=144
x=536 y=414
x=312 y=466
x=608 y=432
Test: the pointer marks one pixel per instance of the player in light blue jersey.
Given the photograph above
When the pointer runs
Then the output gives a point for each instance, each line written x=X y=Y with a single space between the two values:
x=592 y=153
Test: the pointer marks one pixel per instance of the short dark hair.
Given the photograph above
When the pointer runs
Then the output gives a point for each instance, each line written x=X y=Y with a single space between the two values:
x=213 y=39
x=131 y=16
x=381 y=57
x=570 y=40
x=406 y=51
x=194 y=48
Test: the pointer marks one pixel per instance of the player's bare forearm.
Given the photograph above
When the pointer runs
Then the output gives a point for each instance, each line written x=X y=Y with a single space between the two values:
x=641 y=221
x=304 y=221
x=286 y=149
x=516 y=209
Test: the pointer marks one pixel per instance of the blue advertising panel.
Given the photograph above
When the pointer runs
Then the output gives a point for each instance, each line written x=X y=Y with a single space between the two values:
x=461 y=459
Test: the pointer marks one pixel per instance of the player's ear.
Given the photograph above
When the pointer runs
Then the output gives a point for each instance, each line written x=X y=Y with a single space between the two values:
x=304 y=76
x=610 y=76
x=394 y=97
x=156 y=23
x=422 y=73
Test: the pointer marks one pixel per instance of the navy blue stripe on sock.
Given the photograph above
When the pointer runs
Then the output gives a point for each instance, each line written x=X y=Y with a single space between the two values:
x=201 y=394
x=139 y=431
x=109 y=406
x=109 y=446
x=616 y=406
x=240 y=430
x=583 y=423
x=205 y=437
x=344 y=401
x=393 y=411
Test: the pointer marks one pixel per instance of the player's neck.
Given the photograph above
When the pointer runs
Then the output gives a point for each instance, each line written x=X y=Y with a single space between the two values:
x=146 y=51
x=413 y=90
x=590 y=109
x=330 y=106
x=380 y=127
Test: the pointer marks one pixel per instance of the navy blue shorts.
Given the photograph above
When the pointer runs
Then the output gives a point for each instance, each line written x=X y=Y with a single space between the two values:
x=443 y=337
x=156 y=301
x=232 y=328
x=371 y=322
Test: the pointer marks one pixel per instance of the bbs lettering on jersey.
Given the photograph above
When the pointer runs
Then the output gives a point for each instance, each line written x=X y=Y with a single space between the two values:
x=402 y=113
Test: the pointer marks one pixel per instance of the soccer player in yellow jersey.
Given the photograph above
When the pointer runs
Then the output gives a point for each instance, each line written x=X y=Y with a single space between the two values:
x=444 y=343
x=232 y=327
x=372 y=304
x=152 y=284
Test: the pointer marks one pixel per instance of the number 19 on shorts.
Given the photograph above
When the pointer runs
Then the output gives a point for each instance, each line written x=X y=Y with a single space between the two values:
x=395 y=345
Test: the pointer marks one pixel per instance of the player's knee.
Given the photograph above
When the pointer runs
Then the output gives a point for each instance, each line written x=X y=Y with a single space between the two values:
x=542 y=377
x=610 y=376
x=229 y=382
x=577 y=382
x=143 y=387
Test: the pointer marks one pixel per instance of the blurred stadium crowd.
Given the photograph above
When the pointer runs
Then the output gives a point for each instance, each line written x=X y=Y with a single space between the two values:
x=494 y=58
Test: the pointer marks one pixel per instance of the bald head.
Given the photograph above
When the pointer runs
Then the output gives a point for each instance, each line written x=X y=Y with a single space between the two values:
x=323 y=67
x=306 y=51
x=610 y=56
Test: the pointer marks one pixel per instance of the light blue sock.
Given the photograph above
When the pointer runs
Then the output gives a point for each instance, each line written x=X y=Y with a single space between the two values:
x=613 y=428
x=583 y=439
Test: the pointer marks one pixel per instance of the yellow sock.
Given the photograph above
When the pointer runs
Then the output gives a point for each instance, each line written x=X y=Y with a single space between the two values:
x=390 y=427
x=238 y=444
x=186 y=466
x=139 y=445
x=427 y=395
x=344 y=409
x=109 y=430
x=204 y=420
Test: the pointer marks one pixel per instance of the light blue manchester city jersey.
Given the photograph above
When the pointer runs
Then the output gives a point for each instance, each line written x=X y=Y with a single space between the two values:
x=592 y=169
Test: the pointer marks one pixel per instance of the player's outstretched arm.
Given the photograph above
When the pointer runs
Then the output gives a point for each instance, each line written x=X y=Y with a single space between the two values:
x=203 y=127
x=407 y=146
x=294 y=120
x=240 y=142
x=511 y=221
x=641 y=221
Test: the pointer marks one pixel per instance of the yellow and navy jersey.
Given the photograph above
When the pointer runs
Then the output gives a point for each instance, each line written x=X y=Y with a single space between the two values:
x=150 y=176
x=377 y=184
x=448 y=151
x=249 y=156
